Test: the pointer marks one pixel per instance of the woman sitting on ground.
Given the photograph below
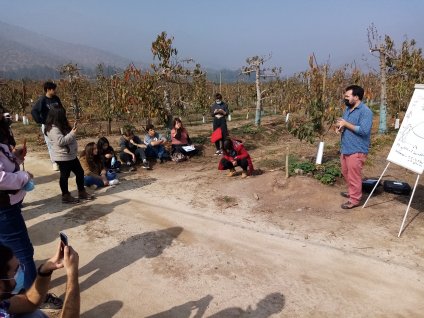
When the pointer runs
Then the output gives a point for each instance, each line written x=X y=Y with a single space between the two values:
x=234 y=154
x=180 y=139
x=95 y=173
x=107 y=155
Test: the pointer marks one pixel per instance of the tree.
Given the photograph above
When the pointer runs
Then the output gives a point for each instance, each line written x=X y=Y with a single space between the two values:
x=405 y=69
x=108 y=108
x=377 y=45
x=169 y=70
x=73 y=73
x=254 y=65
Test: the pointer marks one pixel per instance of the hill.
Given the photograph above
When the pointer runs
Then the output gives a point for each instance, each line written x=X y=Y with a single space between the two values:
x=26 y=54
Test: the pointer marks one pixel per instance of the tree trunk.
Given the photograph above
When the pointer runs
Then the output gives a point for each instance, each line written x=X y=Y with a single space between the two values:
x=168 y=109
x=258 y=99
x=382 y=127
x=109 y=126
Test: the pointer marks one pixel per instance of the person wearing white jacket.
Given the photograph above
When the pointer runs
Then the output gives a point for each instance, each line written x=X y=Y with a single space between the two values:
x=65 y=153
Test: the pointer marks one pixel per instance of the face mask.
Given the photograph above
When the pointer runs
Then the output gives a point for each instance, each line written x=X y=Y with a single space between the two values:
x=19 y=279
x=218 y=101
x=346 y=101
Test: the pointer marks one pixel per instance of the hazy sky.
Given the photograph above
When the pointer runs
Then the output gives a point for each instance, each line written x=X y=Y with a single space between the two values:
x=223 y=33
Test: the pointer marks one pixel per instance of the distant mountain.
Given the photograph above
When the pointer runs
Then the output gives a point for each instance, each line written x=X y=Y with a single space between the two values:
x=26 y=54
x=23 y=51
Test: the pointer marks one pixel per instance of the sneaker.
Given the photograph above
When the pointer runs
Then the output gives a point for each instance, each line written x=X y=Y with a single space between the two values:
x=218 y=152
x=132 y=169
x=52 y=302
x=146 y=164
x=232 y=173
x=93 y=187
x=161 y=160
x=83 y=195
x=244 y=174
x=68 y=198
x=55 y=166
x=113 y=182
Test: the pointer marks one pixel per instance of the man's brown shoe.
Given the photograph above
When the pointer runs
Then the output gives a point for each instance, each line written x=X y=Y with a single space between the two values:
x=349 y=205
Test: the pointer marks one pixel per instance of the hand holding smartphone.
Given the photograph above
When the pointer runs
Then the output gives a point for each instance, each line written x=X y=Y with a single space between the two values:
x=63 y=238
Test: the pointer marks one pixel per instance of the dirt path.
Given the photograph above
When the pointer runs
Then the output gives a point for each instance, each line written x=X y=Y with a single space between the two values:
x=186 y=241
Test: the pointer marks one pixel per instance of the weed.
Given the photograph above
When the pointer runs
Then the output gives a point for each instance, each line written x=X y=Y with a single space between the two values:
x=327 y=173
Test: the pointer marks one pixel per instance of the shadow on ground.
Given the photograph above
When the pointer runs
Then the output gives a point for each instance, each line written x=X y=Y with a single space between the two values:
x=107 y=309
x=148 y=245
x=271 y=304
x=79 y=215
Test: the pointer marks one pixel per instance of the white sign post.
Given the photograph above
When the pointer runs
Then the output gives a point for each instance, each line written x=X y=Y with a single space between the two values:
x=320 y=153
x=408 y=149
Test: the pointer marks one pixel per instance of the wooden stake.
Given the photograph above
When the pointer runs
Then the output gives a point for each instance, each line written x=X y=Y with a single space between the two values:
x=287 y=162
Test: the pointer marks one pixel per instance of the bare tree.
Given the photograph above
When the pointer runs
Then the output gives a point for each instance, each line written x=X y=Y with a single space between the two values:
x=73 y=73
x=170 y=70
x=254 y=65
x=376 y=44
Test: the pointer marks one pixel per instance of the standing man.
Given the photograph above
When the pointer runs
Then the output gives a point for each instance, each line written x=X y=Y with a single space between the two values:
x=219 y=112
x=41 y=109
x=355 y=127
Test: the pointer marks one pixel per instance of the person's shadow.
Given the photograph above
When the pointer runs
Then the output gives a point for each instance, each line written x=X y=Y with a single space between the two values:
x=186 y=310
x=271 y=304
x=148 y=245
x=79 y=215
x=35 y=208
x=107 y=309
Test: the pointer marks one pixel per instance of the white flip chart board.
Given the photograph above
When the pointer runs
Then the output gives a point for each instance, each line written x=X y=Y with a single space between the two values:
x=408 y=149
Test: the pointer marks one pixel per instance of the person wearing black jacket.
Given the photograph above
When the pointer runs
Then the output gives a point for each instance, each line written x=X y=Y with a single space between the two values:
x=41 y=109
x=219 y=112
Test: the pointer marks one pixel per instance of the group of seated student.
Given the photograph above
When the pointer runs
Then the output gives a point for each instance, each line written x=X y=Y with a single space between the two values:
x=134 y=150
x=99 y=164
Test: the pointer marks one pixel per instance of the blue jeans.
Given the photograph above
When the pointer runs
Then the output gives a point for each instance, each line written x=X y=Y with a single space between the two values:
x=14 y=234
x=47 y=140
x=90 y=180
x=155 y=151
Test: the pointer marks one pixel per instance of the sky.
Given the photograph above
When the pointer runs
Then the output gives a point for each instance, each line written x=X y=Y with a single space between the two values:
x=223 y=33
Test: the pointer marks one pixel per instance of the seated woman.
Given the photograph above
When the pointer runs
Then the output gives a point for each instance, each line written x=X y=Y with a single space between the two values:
x=180 y=139
x=107 y=155
x=95 y=173
x=234 y=154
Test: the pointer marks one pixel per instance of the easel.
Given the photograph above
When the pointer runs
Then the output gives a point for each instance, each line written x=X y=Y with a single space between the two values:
x=407 y=150
x=410 y=199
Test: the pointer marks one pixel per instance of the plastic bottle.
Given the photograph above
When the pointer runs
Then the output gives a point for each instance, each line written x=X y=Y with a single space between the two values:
x=29 y=186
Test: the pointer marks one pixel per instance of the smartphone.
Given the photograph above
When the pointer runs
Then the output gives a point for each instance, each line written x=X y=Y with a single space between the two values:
x=63 y=238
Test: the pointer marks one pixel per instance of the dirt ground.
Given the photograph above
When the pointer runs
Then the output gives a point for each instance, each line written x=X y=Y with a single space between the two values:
x=184 y=240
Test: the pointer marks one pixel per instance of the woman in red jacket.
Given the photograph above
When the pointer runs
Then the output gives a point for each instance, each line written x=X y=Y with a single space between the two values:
x=234 y=154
